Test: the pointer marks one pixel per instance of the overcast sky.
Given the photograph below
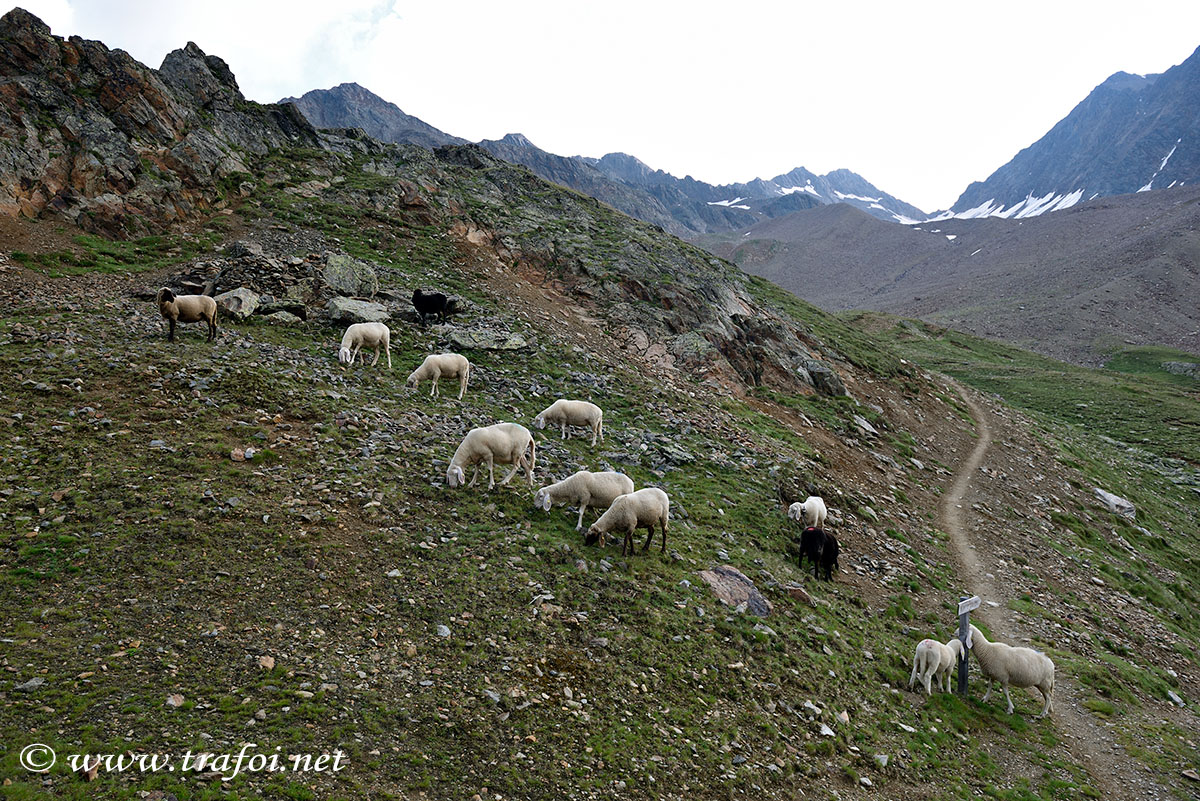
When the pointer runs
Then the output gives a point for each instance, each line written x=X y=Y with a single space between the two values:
x=920 y=99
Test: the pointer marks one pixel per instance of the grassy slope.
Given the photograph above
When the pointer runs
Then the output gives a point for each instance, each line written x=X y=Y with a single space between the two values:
x=137 y=571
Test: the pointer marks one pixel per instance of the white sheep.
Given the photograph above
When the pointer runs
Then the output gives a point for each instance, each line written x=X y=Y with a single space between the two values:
x=572 y=413
x=187 y=309
x=585 y=488
x=441 y=365
x=810 y=513
x=369 y=334
x=641 y=509
x=1013 y=665
x=935 y=660
x=505 y=443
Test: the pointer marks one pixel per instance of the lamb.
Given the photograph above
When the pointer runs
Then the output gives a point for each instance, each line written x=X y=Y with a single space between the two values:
x=505 y=443
x=369 y=334
x=430 y=304
x=1012 y=665
x=810 y=513
x=933 y=660
x=829 y=556
x=187 y=309
x=573 y=413
x=585 y=488
x=641 y=509
x=812 y=541
x=442 y=365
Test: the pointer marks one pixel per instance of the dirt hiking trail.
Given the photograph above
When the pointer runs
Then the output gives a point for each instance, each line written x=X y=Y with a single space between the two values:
x=1113 y=773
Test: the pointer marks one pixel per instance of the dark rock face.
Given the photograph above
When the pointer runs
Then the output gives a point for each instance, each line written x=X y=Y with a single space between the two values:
x=351 y=106
x=1130 y=133
x=93 y=136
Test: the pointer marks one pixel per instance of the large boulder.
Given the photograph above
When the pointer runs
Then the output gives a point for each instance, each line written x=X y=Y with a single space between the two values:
x=1115 y=503
x=349 y=310
x=736 y=591
x=237 y=304
x=349 y=276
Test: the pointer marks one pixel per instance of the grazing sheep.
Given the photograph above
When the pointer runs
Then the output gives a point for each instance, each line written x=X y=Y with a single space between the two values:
x=641 y=509
x=829 y=556
x=597 y=490
x=505 y=443
x=187 y=309
x=441 y=365
x=430 y=304
x=810 y=513
x=572 y=413
x=933 y=660
x=812 y=541
x=1013 y=665
x=369 y=334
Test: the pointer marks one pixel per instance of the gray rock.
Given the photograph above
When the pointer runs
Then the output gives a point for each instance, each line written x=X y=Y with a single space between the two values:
x=865 y=426
x=1190 y=369
x=443 y=630
x=349 y=276
x=485 y=340
x=30 y=685
x=349 y=310
x=733 y=589
x=237 y=304
x=283 y=318
x=824 y=379
x=1115 y=503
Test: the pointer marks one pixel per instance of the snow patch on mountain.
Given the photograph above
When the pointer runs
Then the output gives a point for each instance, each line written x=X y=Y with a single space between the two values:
x=1031 y=206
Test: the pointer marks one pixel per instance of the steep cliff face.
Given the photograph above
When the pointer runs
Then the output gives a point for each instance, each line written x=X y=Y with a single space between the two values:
x=91 y=135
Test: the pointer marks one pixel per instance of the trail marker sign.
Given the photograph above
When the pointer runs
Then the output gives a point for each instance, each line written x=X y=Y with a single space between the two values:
x=965 y=605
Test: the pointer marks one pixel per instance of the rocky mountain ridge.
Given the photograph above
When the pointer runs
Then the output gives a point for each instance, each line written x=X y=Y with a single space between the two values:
x=681 y=206
x=1132 y=133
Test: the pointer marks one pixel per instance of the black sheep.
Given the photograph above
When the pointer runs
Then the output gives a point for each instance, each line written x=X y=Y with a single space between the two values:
x=829 y=557
x=812 y=541
x=433 y=304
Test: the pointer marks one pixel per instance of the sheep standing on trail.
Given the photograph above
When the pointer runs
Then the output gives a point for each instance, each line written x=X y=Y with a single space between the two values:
x=505 y=443
x=641 y=509
x=566 y=413
x=369 y=334
x=1013 y=665
x=934 y=661
x=585 y=488
x=187 y=309
x=811 y=512
x=441 y=365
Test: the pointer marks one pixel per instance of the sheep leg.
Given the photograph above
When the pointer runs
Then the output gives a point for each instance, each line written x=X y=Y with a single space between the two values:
x=387 y=348
x=1007 y=697
x=212 y=328
x=649 y=537
x=664 y=534
x=513 y=472
x=171 y=332
x=462 y=384
x=579 y=523
x=1049 y=701
x=627 y=543
x=913 y=678
x=491 y=472
x=988 y=694
x=375 y=361
x=474 y=475
x=564 y=430
x=594 y=432
x=433 y=389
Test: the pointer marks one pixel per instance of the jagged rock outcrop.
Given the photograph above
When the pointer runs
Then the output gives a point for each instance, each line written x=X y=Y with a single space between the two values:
x=93 y=136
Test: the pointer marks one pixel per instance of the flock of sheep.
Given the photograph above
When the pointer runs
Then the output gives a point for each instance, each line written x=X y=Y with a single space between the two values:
x=627 y=509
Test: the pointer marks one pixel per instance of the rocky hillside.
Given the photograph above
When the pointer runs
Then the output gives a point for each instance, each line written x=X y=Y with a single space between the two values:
x=241 y=545
x=1132 y=133
x=1075 y=285
x=90 y=135
x=681 y=206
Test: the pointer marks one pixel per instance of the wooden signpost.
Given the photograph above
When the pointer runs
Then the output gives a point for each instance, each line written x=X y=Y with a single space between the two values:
x=965 y=605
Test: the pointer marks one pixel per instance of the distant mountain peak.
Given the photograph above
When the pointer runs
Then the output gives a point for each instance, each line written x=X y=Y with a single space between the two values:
x=1130 y=134
x=350 y=105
